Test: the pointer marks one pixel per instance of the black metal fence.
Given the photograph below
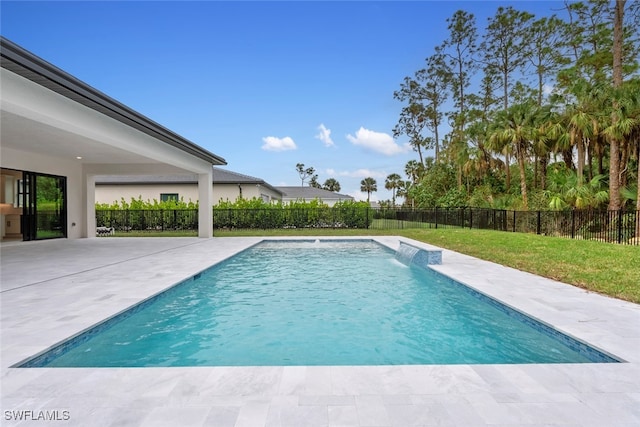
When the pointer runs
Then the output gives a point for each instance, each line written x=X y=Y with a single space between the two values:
x=609 y=226
x=621 y=227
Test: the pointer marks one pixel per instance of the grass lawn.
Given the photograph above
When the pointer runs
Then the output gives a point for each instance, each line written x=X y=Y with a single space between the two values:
x=605 y=268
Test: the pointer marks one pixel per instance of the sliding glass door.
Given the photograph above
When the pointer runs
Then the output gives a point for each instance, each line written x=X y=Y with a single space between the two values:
x=44 y=214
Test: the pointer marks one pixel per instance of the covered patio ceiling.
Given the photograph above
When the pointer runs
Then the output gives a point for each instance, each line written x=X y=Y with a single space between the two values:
x=25 y=134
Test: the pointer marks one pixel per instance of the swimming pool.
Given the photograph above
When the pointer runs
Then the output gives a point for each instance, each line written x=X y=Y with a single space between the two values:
x=317 y=303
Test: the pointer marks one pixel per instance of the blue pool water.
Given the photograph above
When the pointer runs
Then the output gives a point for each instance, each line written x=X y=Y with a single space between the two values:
x=317 y=303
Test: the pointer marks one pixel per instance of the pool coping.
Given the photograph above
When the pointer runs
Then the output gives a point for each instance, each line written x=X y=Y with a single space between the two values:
x=278 y=395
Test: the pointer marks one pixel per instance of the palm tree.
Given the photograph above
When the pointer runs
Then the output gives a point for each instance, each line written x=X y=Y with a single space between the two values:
x=583 y=121
x=517 y=128
x=566 y=190
x=626 y=128
x=392 y=183
x=313 y=182
x=414 y=170
x=369 y=185
x=331 y=184
x=403 y=191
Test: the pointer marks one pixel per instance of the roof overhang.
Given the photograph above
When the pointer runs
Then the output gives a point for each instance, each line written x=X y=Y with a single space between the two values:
x=47 y=111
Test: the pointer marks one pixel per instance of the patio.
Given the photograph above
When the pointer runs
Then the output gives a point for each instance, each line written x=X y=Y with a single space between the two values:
x=51 y=290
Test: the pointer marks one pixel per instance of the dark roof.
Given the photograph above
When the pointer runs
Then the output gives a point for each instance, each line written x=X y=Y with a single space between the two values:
x=24 y=63
x=311 y=193
x=220 y=176
x=223 y=176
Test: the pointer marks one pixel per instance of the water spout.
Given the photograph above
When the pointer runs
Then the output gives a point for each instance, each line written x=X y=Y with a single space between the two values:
x=405 y=253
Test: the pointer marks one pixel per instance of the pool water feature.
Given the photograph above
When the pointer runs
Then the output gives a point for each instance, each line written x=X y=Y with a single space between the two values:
x=317 y=302
x=406 y=253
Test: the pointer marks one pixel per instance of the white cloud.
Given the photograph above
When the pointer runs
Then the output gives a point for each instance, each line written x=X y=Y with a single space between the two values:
x=359 y=173
x=271 y=143
x=325 y=136
x=377 y=141
x=361 y=196
x=547 y=89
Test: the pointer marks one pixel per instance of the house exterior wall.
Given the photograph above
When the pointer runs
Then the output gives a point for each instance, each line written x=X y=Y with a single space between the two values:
x=231 y=192
x=115 y=193
x=109 y=193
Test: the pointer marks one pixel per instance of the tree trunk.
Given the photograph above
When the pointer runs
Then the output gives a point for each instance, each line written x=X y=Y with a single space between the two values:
x=600 y=154
x=614 y=151
x=567 y=157
x=419 y=152
x=437 y=144
x=535 y=171
x=507 y=170
x=544 y=161
x=523 y=177
x=624 y=163
x=580 y=170
x=590 y=160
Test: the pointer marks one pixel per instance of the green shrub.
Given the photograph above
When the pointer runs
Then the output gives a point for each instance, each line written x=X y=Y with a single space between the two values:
x=257 y=214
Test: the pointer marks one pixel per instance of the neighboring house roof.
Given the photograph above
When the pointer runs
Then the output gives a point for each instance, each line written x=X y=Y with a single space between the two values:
x=25 y=64
x=311 y=193
x=220 y=176
x=223 y=176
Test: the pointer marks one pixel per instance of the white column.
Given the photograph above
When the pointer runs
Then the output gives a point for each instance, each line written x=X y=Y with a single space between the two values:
x=90 y=206
x=205 y=203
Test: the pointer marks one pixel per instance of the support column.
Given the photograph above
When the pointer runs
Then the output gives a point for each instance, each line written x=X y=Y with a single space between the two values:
x=89 y=191
x=205 y=203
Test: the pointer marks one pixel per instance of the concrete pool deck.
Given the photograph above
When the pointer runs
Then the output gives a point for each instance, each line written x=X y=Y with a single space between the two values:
x=51 y=290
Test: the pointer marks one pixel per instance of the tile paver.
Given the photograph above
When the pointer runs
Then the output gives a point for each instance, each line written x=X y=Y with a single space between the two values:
x=54 y=289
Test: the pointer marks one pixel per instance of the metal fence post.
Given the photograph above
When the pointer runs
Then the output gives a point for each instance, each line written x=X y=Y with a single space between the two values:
x=538 y=223
x=620 y=213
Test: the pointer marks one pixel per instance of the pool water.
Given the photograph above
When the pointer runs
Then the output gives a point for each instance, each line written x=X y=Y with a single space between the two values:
x=315 y=303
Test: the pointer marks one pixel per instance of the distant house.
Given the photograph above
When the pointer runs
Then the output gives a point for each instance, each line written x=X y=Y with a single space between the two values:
x=227 y=185
x=291 y=194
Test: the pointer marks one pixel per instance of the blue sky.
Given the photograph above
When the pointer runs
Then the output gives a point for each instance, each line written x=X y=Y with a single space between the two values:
x=266 y=85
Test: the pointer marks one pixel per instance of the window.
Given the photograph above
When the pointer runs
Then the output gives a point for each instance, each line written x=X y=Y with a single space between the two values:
x=165 y=197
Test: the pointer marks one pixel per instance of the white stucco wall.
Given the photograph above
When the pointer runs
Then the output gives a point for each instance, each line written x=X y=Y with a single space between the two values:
x=108 y=193
x=114 y=193
x=231 y=192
